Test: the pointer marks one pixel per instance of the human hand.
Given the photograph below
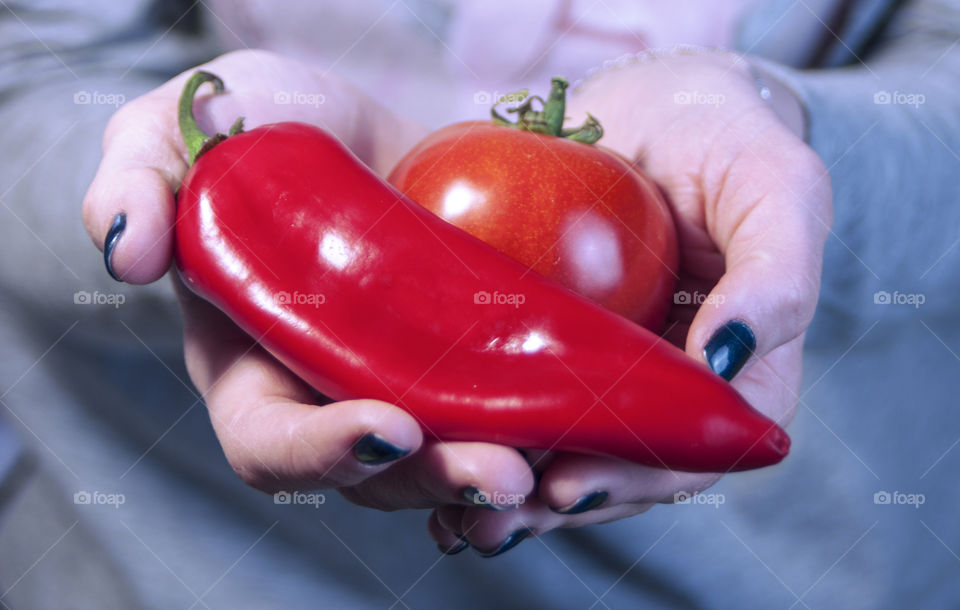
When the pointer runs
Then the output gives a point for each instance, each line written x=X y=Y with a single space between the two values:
x=752 y=204
x=267 y=420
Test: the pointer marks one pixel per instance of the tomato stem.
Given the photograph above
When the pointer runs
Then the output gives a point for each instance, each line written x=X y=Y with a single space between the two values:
x=549 y=120
x=196 y=140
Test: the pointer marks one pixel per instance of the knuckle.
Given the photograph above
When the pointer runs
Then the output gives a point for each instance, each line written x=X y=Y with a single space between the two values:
x=252 y=468
x=247 y=54
x=813 y=179
x=89 y=216
x=810 y=164
x=244 y=57
x=121 y=120
x=257 y=477
x=797 y=299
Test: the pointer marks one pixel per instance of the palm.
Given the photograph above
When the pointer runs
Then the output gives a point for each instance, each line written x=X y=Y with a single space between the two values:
x=720 y=216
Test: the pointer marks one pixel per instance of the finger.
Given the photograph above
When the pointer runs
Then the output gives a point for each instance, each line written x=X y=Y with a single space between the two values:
x=447 y=541
x=271 y=434
x=467 y=474
x=538 y=459
x=450 y=518
x=143 y=163
x=273 y=438
x=771 y=219
x=773 y=383
x=575 y=484
x=278 y=443
x=145 y=159
x=492 y=534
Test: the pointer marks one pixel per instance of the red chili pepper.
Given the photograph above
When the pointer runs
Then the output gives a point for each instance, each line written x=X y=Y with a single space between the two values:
x=365 y=294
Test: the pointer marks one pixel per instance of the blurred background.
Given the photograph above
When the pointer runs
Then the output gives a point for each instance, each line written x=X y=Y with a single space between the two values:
x=114 y=492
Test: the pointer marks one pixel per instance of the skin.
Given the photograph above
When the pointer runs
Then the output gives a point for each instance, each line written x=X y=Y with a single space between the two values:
x=753 y=208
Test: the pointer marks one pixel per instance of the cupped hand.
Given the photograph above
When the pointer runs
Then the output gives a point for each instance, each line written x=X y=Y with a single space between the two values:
x=752 y=204
x=268 y=421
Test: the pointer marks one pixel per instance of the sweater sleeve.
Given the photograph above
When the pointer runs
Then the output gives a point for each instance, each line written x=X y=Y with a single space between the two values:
x=888 y=129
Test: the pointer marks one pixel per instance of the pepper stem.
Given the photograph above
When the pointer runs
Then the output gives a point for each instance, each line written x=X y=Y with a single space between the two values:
x=196 y=140
x=549 y=120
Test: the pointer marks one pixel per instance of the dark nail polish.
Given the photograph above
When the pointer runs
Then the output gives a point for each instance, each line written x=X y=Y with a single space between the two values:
x=509 y=542
x=730 y=348
x=475 y=496
x=373 y=449
x=588 y=502
x=453 y=550
x=110 y=243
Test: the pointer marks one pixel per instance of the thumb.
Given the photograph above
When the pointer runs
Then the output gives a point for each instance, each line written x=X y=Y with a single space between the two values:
x=773 y=252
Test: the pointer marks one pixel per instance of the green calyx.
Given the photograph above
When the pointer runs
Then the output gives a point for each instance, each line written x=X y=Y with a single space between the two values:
x=549 y=119
x=196 y=140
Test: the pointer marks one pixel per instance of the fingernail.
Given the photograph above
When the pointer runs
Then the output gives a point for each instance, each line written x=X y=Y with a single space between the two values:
x=475 y=496
x=508 y=543
x=110 y=243
x=730 y=348
x=588 y=502
x=373 y=449
x=453 y=550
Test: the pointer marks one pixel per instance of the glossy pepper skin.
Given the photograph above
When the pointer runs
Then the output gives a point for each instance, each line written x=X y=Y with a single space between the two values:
x=365 y=294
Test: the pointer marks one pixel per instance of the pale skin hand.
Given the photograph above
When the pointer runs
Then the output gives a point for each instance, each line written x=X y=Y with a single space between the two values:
x=736 y=208
x=753 y=208
x=266 y=419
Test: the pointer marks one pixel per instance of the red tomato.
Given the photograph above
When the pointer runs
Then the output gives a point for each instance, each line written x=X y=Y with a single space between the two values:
x=576 y=213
